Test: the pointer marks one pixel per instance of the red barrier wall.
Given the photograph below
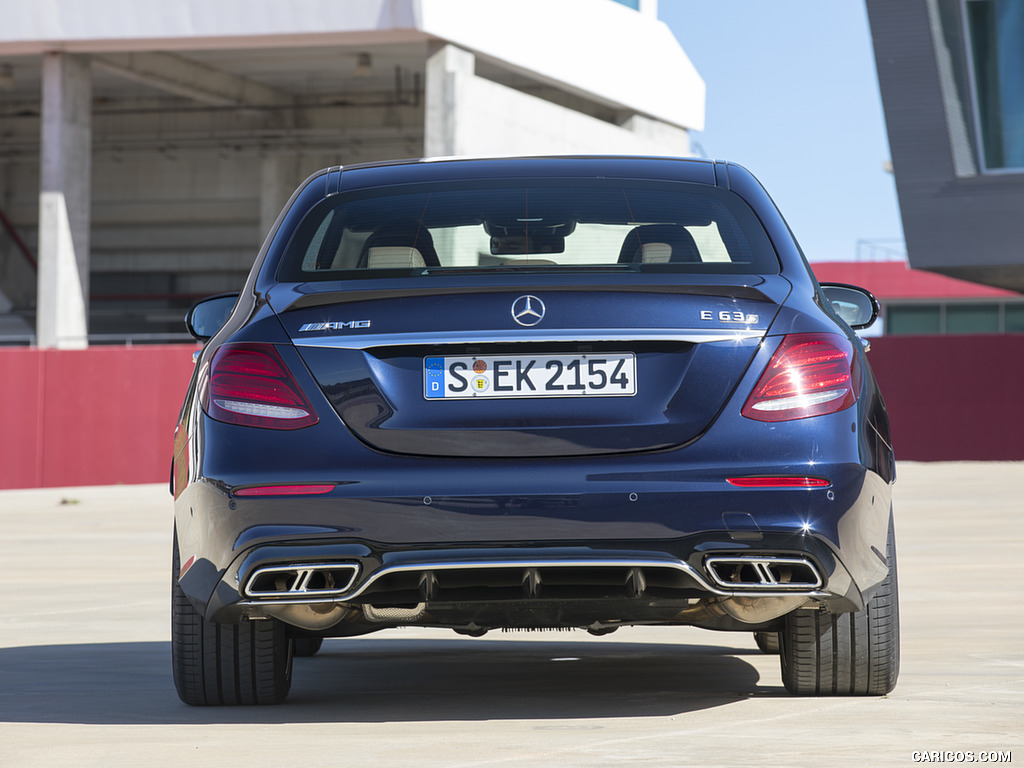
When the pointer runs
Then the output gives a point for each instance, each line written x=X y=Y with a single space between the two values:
x=953 y=398
x=106 y=415
x=99 y=416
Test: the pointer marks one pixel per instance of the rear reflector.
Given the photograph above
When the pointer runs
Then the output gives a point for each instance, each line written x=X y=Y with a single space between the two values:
x=285 y=490
x=250 y=384
x=810 y=374
x=779 y=482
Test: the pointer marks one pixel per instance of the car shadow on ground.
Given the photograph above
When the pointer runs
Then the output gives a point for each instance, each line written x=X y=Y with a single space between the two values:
x=393 y=680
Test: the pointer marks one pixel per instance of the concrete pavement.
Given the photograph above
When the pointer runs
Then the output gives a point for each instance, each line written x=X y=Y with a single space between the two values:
x=85 y=674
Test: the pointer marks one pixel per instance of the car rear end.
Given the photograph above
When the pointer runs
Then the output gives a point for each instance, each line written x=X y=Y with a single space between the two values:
x=531 y=393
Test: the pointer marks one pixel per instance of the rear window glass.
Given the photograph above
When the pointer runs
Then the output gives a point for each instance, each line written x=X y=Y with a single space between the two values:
x=546 y=224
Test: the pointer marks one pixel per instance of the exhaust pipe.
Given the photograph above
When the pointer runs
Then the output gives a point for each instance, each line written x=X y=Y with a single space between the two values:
x=315 y=616
x=755 y=610
x=302 y=581
x=764 y=573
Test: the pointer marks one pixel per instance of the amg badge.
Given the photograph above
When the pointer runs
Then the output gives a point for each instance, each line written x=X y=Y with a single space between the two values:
x=335 y=326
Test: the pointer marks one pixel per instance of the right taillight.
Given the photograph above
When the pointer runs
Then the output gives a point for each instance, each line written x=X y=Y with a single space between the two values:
x=250 y=384
x=810 y=374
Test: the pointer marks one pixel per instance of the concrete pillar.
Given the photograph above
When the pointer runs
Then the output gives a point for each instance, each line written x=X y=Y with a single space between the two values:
x=279 y=176
x=449 y=71
x=65 y=193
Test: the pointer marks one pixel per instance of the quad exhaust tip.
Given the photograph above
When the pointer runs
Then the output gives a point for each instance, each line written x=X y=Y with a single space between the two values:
x=766 y=573
x=313 y=580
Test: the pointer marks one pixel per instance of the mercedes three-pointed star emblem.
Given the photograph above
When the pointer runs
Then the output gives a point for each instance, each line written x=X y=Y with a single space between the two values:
x=527 y=310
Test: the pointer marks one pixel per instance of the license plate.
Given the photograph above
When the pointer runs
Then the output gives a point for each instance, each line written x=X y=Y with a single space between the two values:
x=597 y=375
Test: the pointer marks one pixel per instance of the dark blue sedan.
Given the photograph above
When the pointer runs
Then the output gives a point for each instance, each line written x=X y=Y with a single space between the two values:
x=532 y=393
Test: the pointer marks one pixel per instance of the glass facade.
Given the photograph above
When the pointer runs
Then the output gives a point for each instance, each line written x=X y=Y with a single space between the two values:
x=954 y=317
x=913 y=319
x=972 y=318
x=996 y=40
x=1015 y=319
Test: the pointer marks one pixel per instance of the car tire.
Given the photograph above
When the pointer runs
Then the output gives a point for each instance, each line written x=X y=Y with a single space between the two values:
x=307 y=646
x=226 y=664
x=849 y=654
x=768 y=642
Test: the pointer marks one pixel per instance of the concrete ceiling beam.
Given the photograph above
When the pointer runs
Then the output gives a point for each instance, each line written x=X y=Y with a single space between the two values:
x=192 y=80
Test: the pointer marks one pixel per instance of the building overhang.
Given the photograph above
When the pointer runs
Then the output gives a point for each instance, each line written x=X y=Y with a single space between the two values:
x=597 y=49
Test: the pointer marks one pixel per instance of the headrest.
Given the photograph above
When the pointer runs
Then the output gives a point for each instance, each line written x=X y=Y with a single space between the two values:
x=404 y=236
x=655 y=253
x=393 y=257
x=659 y=244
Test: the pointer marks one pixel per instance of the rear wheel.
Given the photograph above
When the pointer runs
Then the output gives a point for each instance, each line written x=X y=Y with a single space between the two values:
x=217 y=664
x=848 y=654
x=307 y=646
x=768 y=642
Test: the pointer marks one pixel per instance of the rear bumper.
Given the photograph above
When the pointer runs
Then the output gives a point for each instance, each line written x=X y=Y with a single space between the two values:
x=655 y=539
x=319 y=586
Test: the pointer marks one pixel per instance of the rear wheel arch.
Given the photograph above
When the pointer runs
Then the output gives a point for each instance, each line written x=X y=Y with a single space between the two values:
x=226 y=664
x=846 y=654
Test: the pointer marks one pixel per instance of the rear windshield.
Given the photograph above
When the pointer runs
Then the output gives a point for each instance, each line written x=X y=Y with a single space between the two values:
x=535 y=224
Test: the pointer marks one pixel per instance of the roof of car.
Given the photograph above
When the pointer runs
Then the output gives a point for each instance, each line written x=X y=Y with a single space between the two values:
x=689 y=169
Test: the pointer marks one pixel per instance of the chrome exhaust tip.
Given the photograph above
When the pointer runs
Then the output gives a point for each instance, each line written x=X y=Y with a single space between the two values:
x=301 y=581
x=763 y=573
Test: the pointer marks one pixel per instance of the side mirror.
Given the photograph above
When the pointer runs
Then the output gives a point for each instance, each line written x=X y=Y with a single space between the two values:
x=858 y=307
x=209 y=315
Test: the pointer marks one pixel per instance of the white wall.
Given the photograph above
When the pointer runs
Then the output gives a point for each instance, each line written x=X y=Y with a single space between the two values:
x=503 y=121
x=597 y=48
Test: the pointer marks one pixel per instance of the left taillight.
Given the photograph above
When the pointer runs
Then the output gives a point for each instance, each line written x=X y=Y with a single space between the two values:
x=810 y=374
x=250 y=384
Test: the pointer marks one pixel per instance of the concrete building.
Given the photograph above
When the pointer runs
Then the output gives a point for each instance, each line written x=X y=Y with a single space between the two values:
x=146 y=148
x=952 y=81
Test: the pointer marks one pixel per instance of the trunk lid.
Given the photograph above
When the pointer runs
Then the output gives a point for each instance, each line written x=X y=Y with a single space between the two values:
x=453 y=368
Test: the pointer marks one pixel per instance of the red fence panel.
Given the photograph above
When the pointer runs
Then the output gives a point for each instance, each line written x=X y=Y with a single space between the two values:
x=106 y=415
x=953 y=398
x=21 y=374
x=98 y=416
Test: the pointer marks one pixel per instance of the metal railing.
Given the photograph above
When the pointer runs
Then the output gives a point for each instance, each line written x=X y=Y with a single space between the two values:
x=104 y=339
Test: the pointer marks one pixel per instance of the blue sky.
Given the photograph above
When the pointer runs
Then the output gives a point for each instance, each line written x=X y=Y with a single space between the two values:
x=792 y=95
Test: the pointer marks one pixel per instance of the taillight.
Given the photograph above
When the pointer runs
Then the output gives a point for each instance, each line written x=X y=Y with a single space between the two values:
x=779 y=481
x=250 y=384
x=810 y=374
x=286 y=490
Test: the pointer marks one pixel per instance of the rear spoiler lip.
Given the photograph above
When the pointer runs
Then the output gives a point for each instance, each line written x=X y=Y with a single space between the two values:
x=320 y=295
